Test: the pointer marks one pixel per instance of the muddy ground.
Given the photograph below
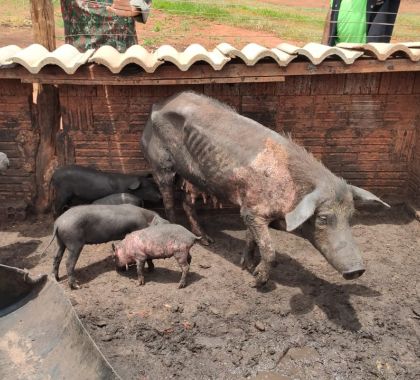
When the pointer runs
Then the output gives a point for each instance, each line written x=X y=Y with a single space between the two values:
x=308 y=323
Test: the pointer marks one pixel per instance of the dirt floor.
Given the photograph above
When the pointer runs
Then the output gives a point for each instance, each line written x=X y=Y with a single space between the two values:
x=307 y=323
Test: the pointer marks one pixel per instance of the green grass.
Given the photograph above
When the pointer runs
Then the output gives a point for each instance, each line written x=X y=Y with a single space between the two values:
x=283 y=21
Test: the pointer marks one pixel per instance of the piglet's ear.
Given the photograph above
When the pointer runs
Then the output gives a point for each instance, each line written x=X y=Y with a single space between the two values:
x=135 y=185
x=364 y=195
x=303 y=211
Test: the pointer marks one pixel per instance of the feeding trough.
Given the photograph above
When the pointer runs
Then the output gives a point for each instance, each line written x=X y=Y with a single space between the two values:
x=41 y=336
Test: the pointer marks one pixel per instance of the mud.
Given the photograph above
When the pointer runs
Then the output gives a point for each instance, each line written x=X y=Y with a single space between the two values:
x=307 y=323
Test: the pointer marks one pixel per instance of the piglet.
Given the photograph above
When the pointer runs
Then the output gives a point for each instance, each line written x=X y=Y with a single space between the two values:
x=156 y=242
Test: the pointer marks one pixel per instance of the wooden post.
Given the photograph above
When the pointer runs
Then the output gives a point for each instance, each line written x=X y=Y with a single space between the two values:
x=46 y=107
x=43 y=26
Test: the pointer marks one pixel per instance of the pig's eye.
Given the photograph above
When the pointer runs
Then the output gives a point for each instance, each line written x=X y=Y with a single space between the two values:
x=322 y=220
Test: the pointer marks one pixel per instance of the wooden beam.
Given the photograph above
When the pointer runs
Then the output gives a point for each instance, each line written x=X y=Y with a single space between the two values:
x=46 y=107
x=93 y=74
x=157 y=82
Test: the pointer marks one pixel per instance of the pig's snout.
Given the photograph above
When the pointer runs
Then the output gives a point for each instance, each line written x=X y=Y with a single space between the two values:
x=352 y=275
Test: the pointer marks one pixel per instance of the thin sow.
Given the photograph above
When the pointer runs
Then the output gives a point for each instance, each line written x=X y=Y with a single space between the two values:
x=233 y=158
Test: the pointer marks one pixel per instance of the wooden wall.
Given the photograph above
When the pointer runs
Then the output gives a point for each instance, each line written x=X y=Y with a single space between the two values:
x=362 y=126
x=19 y=140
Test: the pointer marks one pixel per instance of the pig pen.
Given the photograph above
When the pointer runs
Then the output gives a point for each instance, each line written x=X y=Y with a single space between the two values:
x=361 y=119
x=307 y=323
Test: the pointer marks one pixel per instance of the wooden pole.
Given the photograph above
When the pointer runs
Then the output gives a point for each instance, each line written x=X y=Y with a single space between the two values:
x=46 y=114
x=43 y=26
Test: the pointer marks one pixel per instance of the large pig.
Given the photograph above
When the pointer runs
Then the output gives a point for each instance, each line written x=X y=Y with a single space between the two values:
x=224 y=154
x=156 y=242
x=95 y=224
x=4 y=162
x=88 y=184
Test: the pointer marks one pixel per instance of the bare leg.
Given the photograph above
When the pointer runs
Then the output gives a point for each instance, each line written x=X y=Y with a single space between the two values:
x=258 y=228
x=72 y=258
x=248 y=257
x=150 y=265
x=183 y=259
x=58 y=257
x=140 y=270
x=196 y=229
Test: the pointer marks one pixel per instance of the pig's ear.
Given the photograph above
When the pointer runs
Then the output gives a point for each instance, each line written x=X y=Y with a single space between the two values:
x=365 y=195
x=303 y=211
x=135 y=184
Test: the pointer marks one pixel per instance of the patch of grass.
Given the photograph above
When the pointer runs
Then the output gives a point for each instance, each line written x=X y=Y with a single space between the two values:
x=157 y=27
x=185 y=25
x=286 y=22
x=188 y=8
x=151 y=42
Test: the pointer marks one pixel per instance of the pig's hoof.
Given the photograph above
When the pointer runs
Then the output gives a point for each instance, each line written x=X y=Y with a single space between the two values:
x=74 y=286
x=181 y=285
x=247 y=263
x=261 y=276
x=141 y=282
x=206 y=240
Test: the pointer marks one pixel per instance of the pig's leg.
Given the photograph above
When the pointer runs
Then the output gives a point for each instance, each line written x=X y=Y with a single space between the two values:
x=58 y=257
x=165 y=182
x=61 y=198
x=74 y=253
x=150 y=265
x=184 y=260
x=196 y=229
x=258 y=227
x=248 y=258
x=140 y=270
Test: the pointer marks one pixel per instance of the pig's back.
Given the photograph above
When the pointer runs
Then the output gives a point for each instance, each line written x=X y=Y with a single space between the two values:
x=209 y=124
x=162 y=240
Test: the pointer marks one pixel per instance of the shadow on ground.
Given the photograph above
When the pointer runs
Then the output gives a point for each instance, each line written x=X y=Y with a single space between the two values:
x=19 y=254
x=333 y=299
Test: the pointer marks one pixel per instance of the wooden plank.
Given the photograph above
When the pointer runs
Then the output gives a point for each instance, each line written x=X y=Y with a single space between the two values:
x=166 y=82
x=90 y=74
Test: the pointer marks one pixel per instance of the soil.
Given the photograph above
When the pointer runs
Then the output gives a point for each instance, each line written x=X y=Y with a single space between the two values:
x=307 y=323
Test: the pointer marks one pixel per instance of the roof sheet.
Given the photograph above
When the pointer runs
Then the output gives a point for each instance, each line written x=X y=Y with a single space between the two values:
x=35 y=57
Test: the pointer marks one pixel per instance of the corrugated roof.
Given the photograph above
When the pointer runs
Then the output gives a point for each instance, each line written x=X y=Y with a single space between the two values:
x=35 y=57
x=6 y=53
x=383 y=51
x=252 y=53
x=316 y=53
x=116 y=61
